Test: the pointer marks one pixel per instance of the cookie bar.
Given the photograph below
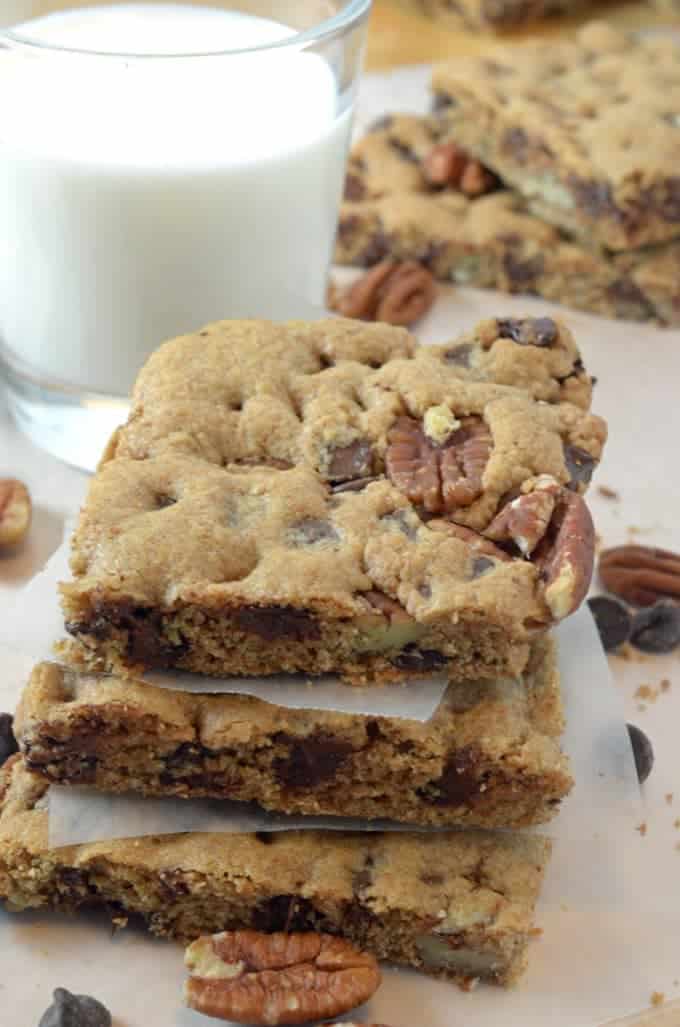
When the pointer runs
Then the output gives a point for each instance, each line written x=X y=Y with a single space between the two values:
x=456 y=904
x=494 y=15
x=330 y=497
x=491 y=240
x=489 y=757
x=586 y=129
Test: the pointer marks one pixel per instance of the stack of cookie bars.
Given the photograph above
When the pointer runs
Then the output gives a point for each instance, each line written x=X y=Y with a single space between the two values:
x=324 y=497
x=546 y=169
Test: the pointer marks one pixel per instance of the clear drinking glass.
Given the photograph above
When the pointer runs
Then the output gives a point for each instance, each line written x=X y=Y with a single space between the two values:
x=161 y=166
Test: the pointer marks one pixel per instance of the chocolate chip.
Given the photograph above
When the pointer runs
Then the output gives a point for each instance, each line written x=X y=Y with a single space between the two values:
x=354 y=187
x=594 y=198
x=288 y=913
x=522 y=274
x=528 y=331
x=613 y=620
x=375 y=250
x=412 y=658
x=276 y=622
x=433 y=879
x=146 y=643
x=163 y=501
x=362 y=879
x=404 y=150
x=401 y=519
x=353 y=461
x=516 y=142
x=312 y=530
x=643 y=753
x=357 y=485
x=265 y=837
x=441 y=102
x=8 y=743
x=310 y=760
x=580 y=465
x=670 y=205
x=459 y=782
x=69 y=1010
x=459 y=355
x=481 y=565
x=657 y=628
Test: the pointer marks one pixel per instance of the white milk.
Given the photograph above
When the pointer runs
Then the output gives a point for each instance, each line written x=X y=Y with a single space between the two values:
x=140 y=198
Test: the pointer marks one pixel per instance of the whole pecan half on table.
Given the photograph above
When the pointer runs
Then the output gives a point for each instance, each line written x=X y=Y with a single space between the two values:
x=270 y=979
x=640 y=574
x=398 y=293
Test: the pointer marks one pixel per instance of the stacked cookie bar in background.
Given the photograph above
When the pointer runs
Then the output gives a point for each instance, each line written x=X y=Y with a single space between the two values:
x=547 y=170
x=323 y=498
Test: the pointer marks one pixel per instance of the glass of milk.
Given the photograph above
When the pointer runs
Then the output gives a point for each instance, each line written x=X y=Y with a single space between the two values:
x=161 y=166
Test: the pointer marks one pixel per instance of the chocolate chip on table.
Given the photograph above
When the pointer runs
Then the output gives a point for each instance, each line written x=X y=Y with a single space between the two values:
x=613 y=620
x=643 y=752
x=8 y=743
x=656 y=629
x=69 y=1010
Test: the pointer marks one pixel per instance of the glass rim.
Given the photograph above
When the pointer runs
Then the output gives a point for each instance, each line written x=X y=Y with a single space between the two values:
x=352 y=13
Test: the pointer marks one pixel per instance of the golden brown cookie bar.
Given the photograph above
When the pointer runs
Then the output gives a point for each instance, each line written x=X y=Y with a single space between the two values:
x=456 y=904
x=330 y=497
x=586 y=129
x=492 y=240
x=489 y=757
x=494 y=15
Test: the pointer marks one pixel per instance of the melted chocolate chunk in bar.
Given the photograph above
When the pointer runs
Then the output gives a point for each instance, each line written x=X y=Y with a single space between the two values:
x=274 y=623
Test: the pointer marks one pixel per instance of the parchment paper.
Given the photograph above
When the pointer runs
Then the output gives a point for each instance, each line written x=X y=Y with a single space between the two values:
x=35 y=622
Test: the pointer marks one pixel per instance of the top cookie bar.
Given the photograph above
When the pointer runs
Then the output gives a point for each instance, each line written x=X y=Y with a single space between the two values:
x=331 y=497
x=587 y=129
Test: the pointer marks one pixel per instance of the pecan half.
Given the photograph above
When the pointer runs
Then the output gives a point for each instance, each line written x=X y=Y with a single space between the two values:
x=393 y=292
x=448 y=164
x=640 y=574
x=270 y=979
x=566 y=555
x=525 y=519
x=551 y=526
x=15 y=511
x=440 y=476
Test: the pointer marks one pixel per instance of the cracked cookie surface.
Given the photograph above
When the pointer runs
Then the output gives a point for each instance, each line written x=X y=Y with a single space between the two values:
x=248 y=512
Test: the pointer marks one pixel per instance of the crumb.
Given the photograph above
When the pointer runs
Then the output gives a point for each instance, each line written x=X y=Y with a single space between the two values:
x=641 y=707
x=665 y=685
x=469 y=983
x=647 y=693
x=676 y=823
x=642 y=829
x=629 y=654
x=669 y=798
x=657 y=998
x=675 y=983
x=633 y=530
x=607 y=493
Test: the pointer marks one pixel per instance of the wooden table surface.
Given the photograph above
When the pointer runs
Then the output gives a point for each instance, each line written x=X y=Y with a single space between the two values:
x=399 y=35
